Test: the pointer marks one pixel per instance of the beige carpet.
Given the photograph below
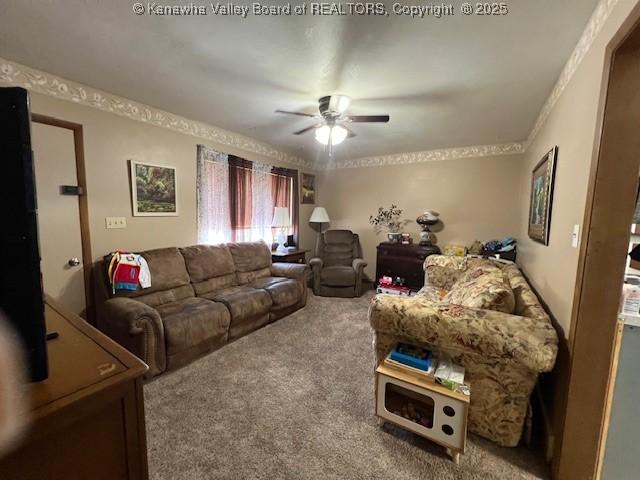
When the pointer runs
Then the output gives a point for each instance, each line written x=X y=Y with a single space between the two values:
x=294 y=400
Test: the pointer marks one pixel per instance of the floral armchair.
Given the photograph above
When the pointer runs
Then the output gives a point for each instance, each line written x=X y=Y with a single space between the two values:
x=486 y=317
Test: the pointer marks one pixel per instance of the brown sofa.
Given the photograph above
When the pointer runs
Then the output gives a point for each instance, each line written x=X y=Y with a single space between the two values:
x=201 y=297
x=338 y=266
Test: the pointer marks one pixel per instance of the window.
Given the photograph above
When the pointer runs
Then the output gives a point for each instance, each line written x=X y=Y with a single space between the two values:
x=237 y=198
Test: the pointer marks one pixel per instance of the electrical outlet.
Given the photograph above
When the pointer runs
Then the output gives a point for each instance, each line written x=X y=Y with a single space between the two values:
x=115 y=222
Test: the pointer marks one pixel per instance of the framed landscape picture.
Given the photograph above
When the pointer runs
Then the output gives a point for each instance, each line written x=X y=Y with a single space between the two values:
x=153 y=190
x=542 y=181
x=307 y=188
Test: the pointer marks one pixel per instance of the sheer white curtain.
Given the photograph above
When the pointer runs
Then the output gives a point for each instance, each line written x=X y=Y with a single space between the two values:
x=262 y=203
x=214 y=219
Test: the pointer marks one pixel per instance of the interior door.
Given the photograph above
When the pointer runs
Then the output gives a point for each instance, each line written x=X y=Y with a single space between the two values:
x=58 y=215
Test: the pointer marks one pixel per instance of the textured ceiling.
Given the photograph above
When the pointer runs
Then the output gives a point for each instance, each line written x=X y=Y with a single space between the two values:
x=447 y=82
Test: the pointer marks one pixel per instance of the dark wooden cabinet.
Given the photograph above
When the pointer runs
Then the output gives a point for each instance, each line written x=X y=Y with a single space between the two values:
x=406 y=261
x=87 y=418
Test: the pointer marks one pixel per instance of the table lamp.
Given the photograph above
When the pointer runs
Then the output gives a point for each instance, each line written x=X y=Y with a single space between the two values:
x=281 y=221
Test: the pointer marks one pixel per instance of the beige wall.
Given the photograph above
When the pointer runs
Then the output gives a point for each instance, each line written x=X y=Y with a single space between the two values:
x=572 y=126
x=110 y=140
x=476 y=198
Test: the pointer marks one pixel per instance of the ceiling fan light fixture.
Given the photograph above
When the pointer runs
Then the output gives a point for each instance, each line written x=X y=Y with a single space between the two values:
x=337 y=133
x=322 y=134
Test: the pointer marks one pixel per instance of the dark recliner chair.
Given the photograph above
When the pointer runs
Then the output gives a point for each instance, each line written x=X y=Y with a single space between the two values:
x=338 y=266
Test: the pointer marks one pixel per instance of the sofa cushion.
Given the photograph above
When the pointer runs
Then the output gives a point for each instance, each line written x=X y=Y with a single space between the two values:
x=483 y=287
x=247 y=277
x=338 y=236
x=169 y=278
x=265 y=282
x=215 y=284
x=156 y=299
x=250 y=256
x=284 y=292
x=192 y=321
x=476 y=271
x=433 y=294
x=443 y=271
x=167 y=269
x=210 y=267
x=339 y=248
x=243 y=301
x=252 y=261
x=338 y=276
x=207 y=261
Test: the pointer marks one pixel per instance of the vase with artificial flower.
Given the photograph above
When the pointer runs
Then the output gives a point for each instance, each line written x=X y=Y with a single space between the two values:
x=388 y=219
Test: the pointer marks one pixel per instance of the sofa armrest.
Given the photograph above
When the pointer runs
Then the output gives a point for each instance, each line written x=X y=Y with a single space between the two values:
x=316 y=267
x=297 y=271
x=359 y=264
x=316 y=263
x=137 y=327
x=530 y=342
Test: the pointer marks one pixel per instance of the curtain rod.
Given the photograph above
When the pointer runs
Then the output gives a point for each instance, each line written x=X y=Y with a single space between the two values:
x=268 y=173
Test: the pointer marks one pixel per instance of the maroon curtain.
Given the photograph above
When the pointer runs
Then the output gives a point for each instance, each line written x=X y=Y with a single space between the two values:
x=281 y=187
x=285 y=194
x=240 y=181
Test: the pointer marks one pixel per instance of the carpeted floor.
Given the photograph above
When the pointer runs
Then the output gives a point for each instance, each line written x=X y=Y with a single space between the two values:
x=294 y=400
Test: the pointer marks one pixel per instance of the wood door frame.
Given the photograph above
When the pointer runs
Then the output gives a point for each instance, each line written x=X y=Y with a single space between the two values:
x=83 y=204
x=612 y=189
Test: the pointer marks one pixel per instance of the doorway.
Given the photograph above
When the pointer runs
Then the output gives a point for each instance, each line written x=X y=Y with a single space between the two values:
x=65 y=244
x=611 y=200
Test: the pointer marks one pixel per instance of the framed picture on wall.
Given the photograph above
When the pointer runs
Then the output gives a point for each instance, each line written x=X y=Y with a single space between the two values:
x=153 y=190
x=307 y=188
x=542 y=182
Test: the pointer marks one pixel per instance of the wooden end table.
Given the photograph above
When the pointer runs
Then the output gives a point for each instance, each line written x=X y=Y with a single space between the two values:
x=289 y=256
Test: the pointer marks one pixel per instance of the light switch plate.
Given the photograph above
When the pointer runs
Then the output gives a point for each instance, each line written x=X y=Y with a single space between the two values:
x=575 y=236
x=115 y=222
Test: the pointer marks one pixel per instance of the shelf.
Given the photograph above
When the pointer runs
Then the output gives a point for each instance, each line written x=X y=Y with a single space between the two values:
x=421 y=381
x=424 y=411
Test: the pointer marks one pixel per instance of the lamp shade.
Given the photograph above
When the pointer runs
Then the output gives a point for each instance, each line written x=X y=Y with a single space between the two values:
x=319 y=215
x=281 y=217
x=337 y=133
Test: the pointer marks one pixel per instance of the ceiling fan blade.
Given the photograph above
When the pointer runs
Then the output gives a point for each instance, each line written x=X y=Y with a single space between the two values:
x=305 y=130
x=297 y=113
x=368 y=118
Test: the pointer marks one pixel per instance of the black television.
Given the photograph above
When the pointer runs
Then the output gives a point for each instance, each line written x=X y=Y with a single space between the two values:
x=21 y=296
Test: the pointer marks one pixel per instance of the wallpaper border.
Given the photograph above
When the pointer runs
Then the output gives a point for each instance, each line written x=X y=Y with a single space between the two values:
x=431 y=155
x=15 y=74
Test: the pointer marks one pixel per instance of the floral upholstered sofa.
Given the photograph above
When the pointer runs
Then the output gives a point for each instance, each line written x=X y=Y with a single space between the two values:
x=485 y=316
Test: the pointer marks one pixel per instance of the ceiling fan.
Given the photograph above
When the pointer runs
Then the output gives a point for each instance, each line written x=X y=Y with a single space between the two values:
x=334 y=124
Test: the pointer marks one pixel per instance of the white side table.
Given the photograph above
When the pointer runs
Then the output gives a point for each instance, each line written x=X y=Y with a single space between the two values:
x=424 y=407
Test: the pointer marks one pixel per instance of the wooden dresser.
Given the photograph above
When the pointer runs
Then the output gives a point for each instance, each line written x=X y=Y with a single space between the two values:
x=87 y=418
x=406 y=261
